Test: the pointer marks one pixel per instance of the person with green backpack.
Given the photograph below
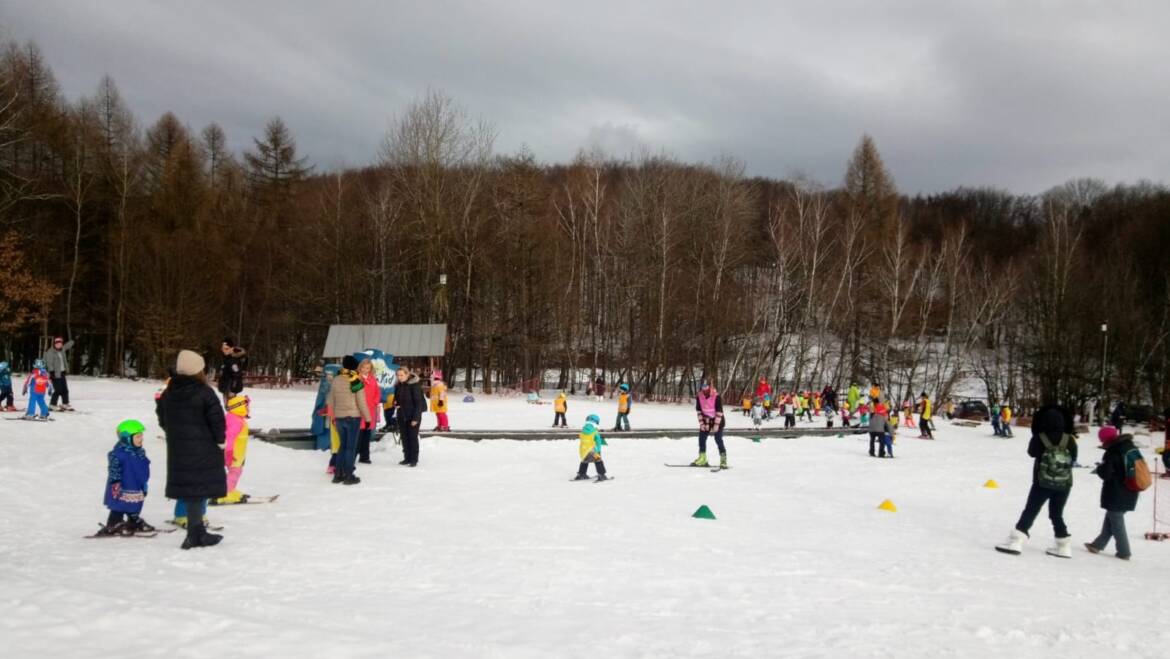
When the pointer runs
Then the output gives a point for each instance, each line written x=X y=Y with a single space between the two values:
x=1124 y=474
x=1054 y=450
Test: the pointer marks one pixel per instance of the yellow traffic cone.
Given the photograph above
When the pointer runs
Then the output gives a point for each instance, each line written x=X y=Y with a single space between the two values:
x=991 y=484
x=888 y=506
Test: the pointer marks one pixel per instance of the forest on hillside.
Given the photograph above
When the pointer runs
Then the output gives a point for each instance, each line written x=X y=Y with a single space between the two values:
x=140 y=236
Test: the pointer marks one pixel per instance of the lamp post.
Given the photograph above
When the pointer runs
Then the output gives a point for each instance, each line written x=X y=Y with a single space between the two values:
x=1104 y=358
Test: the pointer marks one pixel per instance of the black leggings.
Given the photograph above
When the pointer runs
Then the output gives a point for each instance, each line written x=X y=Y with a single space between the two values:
x=703 y=434
x=1037 y=497
x=60 y=390
x=409 y=436
x=924 y=428
x=559 y=420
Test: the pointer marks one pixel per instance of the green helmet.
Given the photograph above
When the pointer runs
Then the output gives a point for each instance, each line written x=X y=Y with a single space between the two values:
x=130 y=427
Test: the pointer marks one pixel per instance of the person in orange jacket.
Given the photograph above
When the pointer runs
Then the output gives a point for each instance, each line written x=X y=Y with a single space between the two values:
x=439 y=402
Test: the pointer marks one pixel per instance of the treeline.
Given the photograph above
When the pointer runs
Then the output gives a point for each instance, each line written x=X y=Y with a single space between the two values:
x=141 y=239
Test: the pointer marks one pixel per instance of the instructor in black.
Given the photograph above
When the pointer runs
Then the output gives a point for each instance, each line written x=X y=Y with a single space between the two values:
x=409 y=400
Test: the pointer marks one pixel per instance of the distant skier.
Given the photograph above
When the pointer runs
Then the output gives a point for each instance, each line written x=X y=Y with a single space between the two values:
x=57 y=364
x=789 y=408
x=829 y=396
x=37 y=385
x=853 y=395
x=625 y=404
x=879 y=429
x=235 y=448
x=127 y=476
x=231 y=371
x=758 y=413
x=560 y=408
x=830 y=417
x=747 y=405
x=1117 y=417
x=439 y=402
x=763 y=388
x=709 y=409
x=1054 y=449
x=599 y=389
x=925 y=412
x=6 y=398
x=1118 y=493
x=589 y=446
x=996 y=419
x=1005 y=420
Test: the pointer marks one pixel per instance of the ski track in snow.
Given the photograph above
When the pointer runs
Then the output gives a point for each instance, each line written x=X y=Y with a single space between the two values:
x=485 y=550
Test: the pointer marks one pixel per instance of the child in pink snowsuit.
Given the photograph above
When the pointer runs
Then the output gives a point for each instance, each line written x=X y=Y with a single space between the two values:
x=235 y=448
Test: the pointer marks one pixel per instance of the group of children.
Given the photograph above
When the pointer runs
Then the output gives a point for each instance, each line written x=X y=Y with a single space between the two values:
x=128 y=472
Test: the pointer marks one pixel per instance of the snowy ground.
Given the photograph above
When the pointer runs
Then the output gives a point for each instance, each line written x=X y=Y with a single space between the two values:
x=487 y=550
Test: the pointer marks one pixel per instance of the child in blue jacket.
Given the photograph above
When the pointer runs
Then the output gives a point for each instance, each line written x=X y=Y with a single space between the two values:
x=127 y=475
x=6 y=399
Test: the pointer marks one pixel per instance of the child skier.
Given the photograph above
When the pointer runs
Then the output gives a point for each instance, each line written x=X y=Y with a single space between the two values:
x=625 y=404
x=880 y=432
x=560 y=407
x=439 y=401
x=37 y=385
x=863 y=414
x=789 y=412
x=235 y=448
x=709 y=408
x=806 y=406
x=1005 y=420
x=589 y=446
x=747 y=405
x=6 y=388
x=995 y=420
x=830 y=415
x=758 y=413
x=127 y=474
x=1117 y=495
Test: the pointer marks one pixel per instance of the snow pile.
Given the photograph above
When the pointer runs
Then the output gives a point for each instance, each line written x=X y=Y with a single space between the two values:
x=487 y=549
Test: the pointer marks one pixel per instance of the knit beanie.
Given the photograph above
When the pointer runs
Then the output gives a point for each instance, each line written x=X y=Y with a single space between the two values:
x=349 y=363
x=1107 y=435
x=189 y=363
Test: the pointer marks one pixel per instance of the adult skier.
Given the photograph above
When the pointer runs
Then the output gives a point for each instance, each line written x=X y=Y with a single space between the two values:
x=57 y=364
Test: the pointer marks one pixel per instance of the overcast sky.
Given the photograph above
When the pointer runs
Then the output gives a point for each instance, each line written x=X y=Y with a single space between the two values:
x=1017 y=95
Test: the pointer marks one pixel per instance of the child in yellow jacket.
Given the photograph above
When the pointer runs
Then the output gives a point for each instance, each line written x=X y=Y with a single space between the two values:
x=589 y=446
x=560 y=407
x=235 y=448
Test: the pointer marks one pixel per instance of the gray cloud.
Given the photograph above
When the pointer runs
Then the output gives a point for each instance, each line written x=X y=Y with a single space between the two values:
x=1019 y=95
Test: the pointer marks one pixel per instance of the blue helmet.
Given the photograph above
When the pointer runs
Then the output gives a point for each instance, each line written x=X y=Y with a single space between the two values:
x=40 y=363
x=625 y=387
x=593 y=418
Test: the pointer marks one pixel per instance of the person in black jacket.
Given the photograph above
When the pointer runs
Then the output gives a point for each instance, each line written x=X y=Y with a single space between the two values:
x=1116 y=498
x=409 y=400
x=190 y=414
x=231 y=371
x=1051 y=479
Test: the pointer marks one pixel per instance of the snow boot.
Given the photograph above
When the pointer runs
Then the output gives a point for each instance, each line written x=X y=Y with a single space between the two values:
x=1014 y=544
x=139 y=525
x=582 y=472
x=197 y=536
x=601 y=471
x=351 y=480
x=1092 y=548
x=700 y=461
x=338 y=477
x=1062 y=548
x=66 y=407
x=723 y=461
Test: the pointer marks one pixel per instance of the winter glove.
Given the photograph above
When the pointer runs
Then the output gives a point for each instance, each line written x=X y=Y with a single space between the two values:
x=235 y=368
x=116 y=489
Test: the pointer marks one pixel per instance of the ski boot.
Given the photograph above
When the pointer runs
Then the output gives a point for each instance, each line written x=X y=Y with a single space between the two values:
x=107 y=530
x=139 y=525
x=582 y=472
x=600 y=472
x=701 y=461
x=723 y=461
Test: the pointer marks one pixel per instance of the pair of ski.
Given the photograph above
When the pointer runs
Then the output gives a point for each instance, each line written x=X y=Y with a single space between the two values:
x=590 y=480
x=137 y=534
x=25 y=417
x=247 y=500
x=712 y=468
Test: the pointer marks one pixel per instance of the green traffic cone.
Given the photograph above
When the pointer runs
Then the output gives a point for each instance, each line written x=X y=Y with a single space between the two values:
x=756 y=439
x=703 y=513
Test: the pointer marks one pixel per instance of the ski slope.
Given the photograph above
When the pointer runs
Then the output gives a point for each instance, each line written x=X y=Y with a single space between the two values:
x=487 y=550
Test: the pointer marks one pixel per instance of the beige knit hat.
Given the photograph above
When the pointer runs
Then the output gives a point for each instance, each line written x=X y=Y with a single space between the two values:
x=189 y=363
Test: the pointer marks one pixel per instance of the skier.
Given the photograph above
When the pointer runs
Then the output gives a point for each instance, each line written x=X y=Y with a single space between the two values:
x=925 y=412
x=320 y=426
x=747 y=405
x=1090 y=412
x=37 y=385
x=409 y=400
x=1005 y=420
x=6 y=399
x=863 y=415
x=763 y=388
x=235 y=448
x=189 y=413
x=757 y=413
x=58 y=365
x=589 y=446
x=625 y=404
x=830 y=416
x=350 y=411
x=599 y=389
x=995 y=419
x=560 y=407
x=806 y=406
x=231 y=371
x=1054 y=449
x=709 y=407
x=879 y=427
x=829 y=395
x=1117 y=498
x=853 y=395
x=127 y=474
x=373 y=394
x=439 y=402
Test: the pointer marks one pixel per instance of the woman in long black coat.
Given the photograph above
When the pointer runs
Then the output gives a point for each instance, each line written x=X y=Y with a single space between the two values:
x=190 y=414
